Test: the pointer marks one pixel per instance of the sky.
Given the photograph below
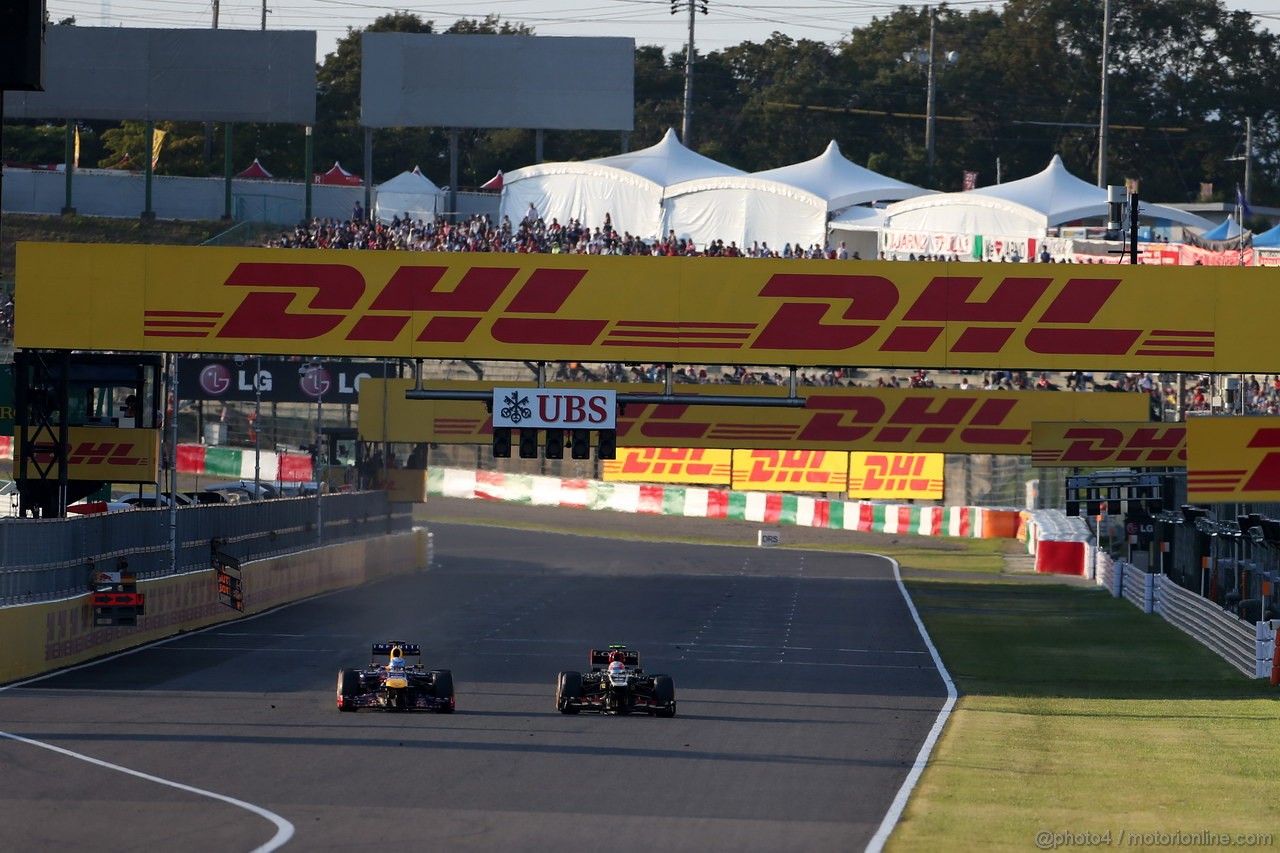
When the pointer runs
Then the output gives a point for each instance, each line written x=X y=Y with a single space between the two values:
x=649 y=22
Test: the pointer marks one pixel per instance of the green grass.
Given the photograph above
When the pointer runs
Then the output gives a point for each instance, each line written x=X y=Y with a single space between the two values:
x=1081 y=714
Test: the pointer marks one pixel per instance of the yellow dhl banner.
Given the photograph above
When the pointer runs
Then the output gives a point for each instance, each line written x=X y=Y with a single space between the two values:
x=896 y=476
x=1108 y=445
x=1233 y=460
x=670 y=465
x=621 y=308
x=906 y=420
x=103 y=453
x=790 y=471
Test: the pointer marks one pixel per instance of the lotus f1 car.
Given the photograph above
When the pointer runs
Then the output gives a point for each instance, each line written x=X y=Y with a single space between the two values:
x=615 y=685
x=396 y=685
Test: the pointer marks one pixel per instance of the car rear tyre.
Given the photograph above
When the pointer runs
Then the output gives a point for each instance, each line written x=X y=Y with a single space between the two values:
x=664 y=693
x=568 y=690
x=348 y=689
x=442 y=688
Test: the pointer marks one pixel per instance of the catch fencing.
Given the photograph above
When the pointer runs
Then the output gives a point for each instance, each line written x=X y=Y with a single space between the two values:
x=44 y=559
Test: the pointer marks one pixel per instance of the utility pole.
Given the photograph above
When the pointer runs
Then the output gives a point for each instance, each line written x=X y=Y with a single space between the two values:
x=1248 y=158
x=1106 y=94
x=686 y=127
x=930 y=122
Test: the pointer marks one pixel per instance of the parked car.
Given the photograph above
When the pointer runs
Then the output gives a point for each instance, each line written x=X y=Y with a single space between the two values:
x=200 y=498
x=150 y=500
x=300 y=490
x=245 y=490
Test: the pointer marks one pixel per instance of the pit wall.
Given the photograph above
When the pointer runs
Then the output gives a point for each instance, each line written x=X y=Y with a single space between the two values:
x=761 y=507
x=38 y=638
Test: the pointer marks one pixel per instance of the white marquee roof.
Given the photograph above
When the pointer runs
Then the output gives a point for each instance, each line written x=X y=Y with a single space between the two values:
x=667 y=163
x=1024 y=207
x=841 y=182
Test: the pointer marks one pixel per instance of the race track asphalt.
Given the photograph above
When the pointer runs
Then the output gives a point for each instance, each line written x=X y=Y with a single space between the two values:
x=805 y=692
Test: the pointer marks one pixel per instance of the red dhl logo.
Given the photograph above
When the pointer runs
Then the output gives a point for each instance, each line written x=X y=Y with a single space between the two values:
x=1094 y=445
x=674 y=462
x=973 y=420
x=793 y=466
x=97 y=453
x=1265 y=477
x=899 y=473
x=828 y=313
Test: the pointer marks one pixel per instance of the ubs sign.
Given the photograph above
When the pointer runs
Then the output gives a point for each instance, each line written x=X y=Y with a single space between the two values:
x=567 y=408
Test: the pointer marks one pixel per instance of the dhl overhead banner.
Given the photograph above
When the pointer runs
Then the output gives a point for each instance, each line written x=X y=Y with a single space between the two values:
x=1233 y=460
x=670 y=465
x=896 y=476
x=1108 y=445
x=105 y=453
x=790 y=471
x=894 y=420
x=318 y=302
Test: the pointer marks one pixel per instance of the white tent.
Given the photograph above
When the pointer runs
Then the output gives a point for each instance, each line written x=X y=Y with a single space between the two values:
x=1019 y=209
x=744 y=210
x=840 y=182
x=629 y=187
x=858 y=228
x=409 y=192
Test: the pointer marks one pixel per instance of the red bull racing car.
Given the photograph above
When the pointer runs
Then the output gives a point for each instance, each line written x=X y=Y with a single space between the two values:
x=397 y=684
x=615 y=685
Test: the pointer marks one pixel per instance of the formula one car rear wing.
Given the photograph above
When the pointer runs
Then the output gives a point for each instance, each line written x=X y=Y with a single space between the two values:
x=600 y=657
x=406 y=649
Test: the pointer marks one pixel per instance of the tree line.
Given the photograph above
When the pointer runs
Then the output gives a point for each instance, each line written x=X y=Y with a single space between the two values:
x=1185 y=75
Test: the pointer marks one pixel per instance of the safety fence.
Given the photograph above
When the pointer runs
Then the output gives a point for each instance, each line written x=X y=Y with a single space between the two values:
x=1247 y=646
x=762 y=507
x=51 y=558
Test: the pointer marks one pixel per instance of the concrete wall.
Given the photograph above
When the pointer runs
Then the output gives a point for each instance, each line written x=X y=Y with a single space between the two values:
x=38 y=638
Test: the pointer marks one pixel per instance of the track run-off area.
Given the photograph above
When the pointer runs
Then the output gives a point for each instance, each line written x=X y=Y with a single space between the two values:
x=806 y=694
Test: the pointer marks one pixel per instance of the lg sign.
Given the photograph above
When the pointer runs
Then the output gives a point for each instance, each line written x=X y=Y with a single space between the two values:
x=567 y=408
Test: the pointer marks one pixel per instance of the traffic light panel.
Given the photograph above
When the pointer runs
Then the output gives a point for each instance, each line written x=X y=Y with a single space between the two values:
x=501 y=442
x=581 y=444
x=607 y=444
x=528 y=444
x=555 y=444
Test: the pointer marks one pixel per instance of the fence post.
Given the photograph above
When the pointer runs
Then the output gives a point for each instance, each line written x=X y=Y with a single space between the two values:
x=1265 y=645
x=1148 y=592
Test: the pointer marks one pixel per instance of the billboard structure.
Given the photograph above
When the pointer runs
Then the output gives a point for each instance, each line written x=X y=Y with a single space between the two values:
x=885 y=420
x=632 y=309
x=482 y=81
x=114 y=73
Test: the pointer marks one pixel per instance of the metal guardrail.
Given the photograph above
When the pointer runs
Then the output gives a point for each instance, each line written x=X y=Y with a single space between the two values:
x=1232 y=639
x=53 y=558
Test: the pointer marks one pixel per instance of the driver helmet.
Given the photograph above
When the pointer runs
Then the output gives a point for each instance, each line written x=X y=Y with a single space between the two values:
x=616 y=667
x=396 y=664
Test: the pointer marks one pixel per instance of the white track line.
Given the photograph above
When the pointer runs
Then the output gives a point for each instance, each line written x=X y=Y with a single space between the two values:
x=284 y=829
x=899 y=803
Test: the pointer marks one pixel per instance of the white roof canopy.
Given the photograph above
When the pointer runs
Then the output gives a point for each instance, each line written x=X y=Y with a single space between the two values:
x=668 y=162
x=1026 y=207
x=629 y=187
x=841 y=182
